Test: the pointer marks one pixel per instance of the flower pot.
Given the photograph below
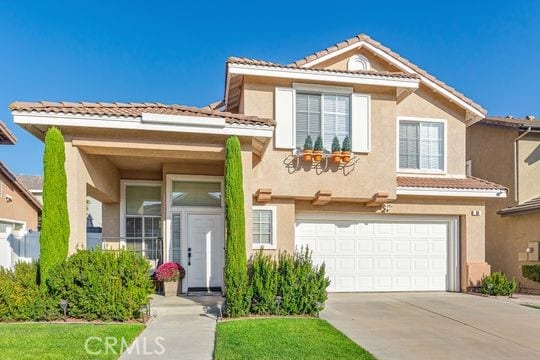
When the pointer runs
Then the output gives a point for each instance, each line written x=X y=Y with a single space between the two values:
x=346 y=156
x=336 y=157
x=307 y=155
x=172 y=288
x=317 y=155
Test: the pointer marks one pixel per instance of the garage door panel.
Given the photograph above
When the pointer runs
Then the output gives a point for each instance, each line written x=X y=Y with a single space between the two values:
x=345 y=265
x=364 y=246
x=379 y=255
x=364 y=265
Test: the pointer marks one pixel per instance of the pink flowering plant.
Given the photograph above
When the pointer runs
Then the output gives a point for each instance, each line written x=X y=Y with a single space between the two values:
x=170 y=271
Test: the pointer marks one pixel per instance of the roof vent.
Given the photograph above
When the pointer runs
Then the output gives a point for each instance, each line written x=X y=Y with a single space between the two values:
x=529 y=117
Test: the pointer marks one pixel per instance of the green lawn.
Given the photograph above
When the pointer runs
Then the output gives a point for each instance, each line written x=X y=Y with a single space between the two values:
x=64 y=341
x=284 y=338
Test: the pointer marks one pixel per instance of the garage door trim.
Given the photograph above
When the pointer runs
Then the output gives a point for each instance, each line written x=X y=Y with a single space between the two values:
x=453 y=261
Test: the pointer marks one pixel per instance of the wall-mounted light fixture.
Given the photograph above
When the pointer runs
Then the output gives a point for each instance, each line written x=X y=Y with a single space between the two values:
x=9 y=199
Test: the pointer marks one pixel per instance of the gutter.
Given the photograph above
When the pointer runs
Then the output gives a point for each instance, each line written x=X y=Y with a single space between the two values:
x=516 y=177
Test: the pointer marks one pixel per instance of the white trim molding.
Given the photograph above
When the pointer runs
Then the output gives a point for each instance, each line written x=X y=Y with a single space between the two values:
x=178 y=124
x=324 y=76
x=429 y=191
x=273 y=210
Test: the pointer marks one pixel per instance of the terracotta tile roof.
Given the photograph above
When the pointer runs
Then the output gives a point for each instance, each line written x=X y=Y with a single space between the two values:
x=527 y=206
x=469 y=182
x=247 y=61
x=133 y=110
x=6 y=136
x=22 y=189
x=378 y=45
x=512 y=122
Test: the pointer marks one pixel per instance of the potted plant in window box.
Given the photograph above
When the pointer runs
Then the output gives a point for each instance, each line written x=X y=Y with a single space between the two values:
x=336 y=151
x=318 y=149
x=307 y=153
x=346 y=150
x=170 y=274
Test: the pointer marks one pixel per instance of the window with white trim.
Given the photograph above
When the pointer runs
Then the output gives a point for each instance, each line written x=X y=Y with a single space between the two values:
x=421 y=145
x=264 y=227
x=327 y=115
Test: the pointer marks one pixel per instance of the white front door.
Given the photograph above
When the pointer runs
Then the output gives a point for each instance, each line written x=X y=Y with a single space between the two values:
x=205 y=252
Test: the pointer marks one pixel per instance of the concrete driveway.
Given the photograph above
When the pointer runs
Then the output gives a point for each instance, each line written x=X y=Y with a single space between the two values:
x=436 y=325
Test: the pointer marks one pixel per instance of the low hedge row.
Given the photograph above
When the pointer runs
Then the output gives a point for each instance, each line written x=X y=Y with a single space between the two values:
x=531 y=272
x=97 y=284
x=288 y=285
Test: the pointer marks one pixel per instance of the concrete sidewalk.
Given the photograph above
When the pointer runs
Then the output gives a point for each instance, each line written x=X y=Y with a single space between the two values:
x=183 y=328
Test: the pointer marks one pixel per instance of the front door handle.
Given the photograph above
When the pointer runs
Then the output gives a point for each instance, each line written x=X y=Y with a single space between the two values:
x=189 y=256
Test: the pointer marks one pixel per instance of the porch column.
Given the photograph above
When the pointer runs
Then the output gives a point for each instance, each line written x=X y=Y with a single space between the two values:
x=76 y=197
x=247 y=171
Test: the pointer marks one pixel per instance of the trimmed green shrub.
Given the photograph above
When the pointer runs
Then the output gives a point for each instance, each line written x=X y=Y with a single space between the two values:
x=531 y=272
x=54 y=235
x=346 y=146
x=237 y=290
x=308 y=144
x=318 y=144
x=302 y=285
x=335 y=145
x=264 y=279
x=21 y=298
x=498 y=284
x=107 y=285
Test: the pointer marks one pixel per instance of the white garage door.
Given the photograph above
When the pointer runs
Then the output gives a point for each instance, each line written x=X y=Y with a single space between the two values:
x=405 y=254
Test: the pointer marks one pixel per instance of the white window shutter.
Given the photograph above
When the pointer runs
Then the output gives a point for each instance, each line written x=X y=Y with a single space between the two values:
x=284 y=116
x=361 y=123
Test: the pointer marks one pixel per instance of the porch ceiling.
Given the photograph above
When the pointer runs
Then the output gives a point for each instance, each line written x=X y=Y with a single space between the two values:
x=151 y=150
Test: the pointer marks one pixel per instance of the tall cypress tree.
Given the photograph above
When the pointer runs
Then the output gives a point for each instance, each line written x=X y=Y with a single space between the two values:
x=237 y=290
x=54 y=237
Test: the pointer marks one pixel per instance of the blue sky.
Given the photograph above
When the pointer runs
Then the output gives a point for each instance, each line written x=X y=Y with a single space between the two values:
x=175 y=51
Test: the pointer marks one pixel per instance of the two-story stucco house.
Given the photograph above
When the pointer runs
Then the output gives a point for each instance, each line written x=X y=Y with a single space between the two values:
x=507 y=150
x=400 y=215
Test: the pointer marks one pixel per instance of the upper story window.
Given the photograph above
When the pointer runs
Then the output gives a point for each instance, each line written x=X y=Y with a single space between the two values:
x=421 y=145
x=327 y=115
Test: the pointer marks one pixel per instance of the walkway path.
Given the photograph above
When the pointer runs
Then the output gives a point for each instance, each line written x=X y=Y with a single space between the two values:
x=183 y=328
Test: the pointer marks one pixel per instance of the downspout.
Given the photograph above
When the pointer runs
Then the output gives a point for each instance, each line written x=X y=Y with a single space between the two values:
x=516 y=186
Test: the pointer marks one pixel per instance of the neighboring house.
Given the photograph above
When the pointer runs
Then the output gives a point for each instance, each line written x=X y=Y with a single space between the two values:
x=19 y=210
x=401 y=215
x=507 y=150
x=19 y=213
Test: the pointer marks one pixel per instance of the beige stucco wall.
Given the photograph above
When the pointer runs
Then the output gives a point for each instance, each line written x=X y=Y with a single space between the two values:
x=529 y=167
x=491 y=150
x=20 y=209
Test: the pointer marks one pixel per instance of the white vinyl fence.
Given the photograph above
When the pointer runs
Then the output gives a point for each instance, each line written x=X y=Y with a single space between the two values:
x=24 y=246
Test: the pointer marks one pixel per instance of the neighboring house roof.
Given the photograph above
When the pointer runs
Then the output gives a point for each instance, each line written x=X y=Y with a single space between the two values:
x=306 y=61
x=511 y=122
x=468 y=183
x=24 y=191
x=386 y=74
x=527 y=206
x=133 y=110
x=31 y=182
x=6 y=136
